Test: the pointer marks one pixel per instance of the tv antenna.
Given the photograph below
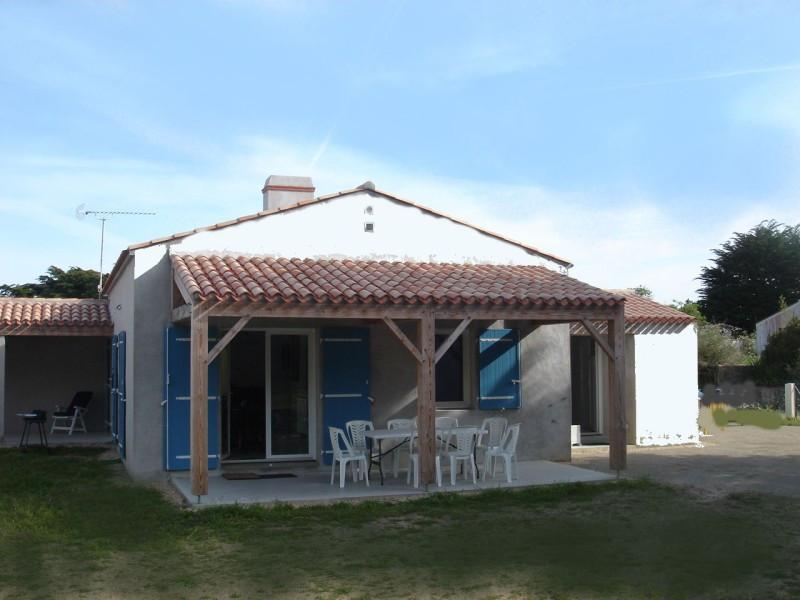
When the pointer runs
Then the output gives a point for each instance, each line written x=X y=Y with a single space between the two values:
x=104 y=215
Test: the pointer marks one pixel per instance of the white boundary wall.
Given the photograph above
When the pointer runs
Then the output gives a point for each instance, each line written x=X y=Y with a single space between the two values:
x=773 y=324
x=667 y=406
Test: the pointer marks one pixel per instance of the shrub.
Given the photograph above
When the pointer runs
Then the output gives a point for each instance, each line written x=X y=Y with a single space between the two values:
x=719 y=344
x=780 y=361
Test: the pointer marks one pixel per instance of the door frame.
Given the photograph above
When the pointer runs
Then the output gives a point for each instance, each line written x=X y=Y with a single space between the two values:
x=312 y=336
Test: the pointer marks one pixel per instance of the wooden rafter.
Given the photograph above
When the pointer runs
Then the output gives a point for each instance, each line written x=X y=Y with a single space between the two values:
x=181 y=313
x=328 y=311
x=395 y=328
x=226 y=339
x=206 y=308
x=598 y=337
x=442 y=350
x=57 y=331
x=187 y=297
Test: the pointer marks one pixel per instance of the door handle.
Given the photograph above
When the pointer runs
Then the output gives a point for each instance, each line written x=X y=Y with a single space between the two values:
x=515 y=381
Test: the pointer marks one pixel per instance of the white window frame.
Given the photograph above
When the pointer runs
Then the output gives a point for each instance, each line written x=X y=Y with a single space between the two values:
x=467 y=371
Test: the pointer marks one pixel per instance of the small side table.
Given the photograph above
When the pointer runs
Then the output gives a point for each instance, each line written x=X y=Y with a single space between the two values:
x=34 y=417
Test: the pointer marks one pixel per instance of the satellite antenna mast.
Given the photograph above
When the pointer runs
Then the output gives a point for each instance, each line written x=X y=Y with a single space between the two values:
x=104 y=215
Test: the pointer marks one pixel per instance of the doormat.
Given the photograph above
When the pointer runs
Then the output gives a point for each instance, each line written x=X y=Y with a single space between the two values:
x=236 y=476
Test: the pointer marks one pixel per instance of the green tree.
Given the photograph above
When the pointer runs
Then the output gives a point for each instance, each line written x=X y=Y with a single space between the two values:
x=57 y=283
x=719 y=344
x=691 y=308
x=643 y=291
x=750 y=273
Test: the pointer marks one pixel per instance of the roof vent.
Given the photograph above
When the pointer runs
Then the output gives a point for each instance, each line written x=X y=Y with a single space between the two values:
x=367 y=185
x=285 y=190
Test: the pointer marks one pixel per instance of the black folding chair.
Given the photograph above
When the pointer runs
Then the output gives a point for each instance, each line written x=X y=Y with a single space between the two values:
x=66 y=420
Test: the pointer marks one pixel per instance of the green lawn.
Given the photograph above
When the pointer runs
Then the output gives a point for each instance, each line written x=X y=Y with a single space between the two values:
x=760 y=417
x=72 y=525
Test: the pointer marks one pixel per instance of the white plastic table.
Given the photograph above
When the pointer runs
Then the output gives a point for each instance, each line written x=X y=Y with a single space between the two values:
x=402 y=436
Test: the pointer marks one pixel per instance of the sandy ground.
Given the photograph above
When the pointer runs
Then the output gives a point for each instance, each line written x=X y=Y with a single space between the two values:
x=735 y=459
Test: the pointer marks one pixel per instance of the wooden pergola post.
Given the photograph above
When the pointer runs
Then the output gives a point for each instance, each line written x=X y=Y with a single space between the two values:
x=426 y=397
x=618 y=423
x=199 y=401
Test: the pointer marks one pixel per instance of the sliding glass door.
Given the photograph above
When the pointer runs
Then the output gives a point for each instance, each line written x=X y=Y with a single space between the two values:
x=268 y=408
x=290 y=406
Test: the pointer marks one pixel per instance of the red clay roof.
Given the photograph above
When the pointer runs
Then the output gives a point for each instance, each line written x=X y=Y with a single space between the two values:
x=48 y=316
x=282 y=209
x=308 y=281
x=639 y=309
x=643 y=315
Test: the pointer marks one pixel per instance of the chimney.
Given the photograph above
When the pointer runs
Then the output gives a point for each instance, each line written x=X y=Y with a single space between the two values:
x=284 y=190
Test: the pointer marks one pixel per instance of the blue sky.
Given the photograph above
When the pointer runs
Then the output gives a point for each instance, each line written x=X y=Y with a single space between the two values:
x=629 y=137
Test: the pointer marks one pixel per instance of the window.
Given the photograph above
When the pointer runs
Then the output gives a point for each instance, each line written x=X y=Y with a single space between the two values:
x=450 y=374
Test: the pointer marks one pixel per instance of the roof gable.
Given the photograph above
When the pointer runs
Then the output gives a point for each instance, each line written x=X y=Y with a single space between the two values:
x=366 y=189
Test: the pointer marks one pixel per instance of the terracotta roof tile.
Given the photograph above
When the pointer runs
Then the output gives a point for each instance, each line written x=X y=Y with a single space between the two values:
x=643 y=315
x=53 y=314
x=639 y=309
x=309 y=281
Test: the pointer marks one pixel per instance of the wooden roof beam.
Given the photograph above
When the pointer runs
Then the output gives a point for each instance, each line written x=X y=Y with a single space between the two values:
x=395 y=329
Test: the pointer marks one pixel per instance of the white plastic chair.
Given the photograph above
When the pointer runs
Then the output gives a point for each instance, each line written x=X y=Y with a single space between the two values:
x=463 y=452
x=443 y=436
x=343 y=453
x=356 y=431
x=507 y=451
x=493 y=429
x=392 y=424
x=414 y=464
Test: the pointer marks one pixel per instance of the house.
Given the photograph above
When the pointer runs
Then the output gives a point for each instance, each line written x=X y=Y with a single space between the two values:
x=49 y=349
x=773 y=324
x=245 y=340
x=661 y=376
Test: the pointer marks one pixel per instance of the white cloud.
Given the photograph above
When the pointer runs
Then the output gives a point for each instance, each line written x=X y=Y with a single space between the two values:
x=724 y=74
x=614 y=241
x=476 y=60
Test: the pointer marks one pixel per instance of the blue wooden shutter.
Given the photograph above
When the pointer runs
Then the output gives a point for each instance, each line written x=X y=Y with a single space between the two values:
x=112 y=401
x=345 y=379
x=499 y=369
x=122 y=397
x=177 y=414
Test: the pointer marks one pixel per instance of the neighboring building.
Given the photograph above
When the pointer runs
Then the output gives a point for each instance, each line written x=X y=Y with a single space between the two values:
x=661 y=367
x=51 y=348
x=773 y=324
x=343 y=306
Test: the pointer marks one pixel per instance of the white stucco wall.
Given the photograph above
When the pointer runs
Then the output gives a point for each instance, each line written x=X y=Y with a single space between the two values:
x=121 y=305
x=335 y=229
x=666 y=388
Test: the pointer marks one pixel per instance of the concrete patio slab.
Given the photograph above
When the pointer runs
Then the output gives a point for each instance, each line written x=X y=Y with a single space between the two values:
x=60 y=439
x=312 y=486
